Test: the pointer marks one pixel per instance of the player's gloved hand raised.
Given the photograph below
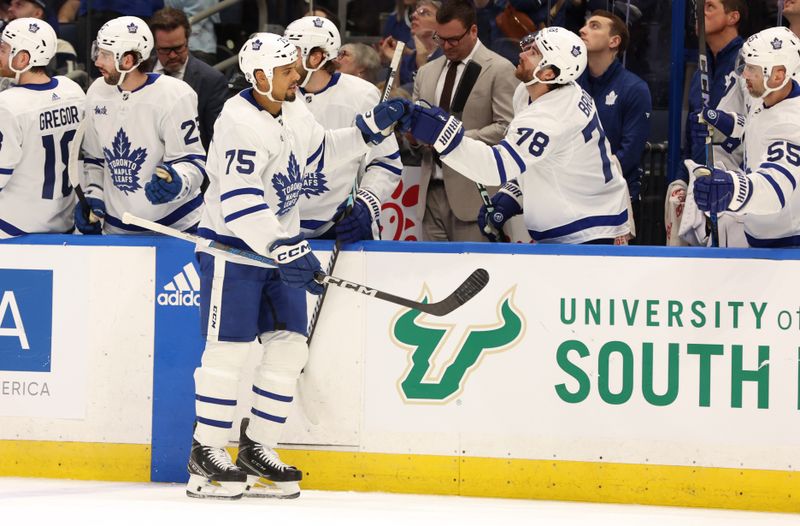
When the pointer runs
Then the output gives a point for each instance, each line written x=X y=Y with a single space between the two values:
x=505 y=207
x=90 y=224
x=716 y=190
x=357 y=225
x=165 y=185
x=296 y=263
x=698 y=128
x=377 y=124
x=434 y=126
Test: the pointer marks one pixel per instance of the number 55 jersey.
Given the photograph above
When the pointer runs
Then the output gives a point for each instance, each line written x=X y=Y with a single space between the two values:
x=37 y=125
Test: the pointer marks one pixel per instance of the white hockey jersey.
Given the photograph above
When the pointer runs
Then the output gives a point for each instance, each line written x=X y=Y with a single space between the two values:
x=37 y=124
x=569 y=188
x=334 y=107
x=256 y=164
x=521 y=99
x=772 y=164
x=128 y=134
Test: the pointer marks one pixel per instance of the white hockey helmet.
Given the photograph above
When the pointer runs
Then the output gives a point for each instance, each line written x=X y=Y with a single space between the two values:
x=312 y=32
x=265 y=51
x=32 y=35
x=122 y=35
x=776 y=46
x=562 y=49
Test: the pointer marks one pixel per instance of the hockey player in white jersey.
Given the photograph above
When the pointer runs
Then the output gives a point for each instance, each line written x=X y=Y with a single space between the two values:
x=38 y=119
x=264 y=141
x=335 y=99
x=555 y=162
x=765 y=190
x=142 y=149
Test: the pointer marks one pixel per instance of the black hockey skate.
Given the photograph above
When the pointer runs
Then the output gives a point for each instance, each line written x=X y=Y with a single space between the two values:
x=267 y=475
x=212 y=474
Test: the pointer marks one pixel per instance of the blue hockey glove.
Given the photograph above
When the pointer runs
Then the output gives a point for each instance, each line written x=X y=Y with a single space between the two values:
x=698 y=128
x=505 y=207
x=722 y=120
x=717 y=190
x=164 y=186
x=357 y=225
x=83 y=222
x=297 y=264
x=436 y=127
x=377 y=124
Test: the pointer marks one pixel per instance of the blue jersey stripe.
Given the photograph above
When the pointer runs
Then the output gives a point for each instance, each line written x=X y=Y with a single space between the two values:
x=501 y=169
x=212 y=400
x=231 y=241
x=215 y=423
x=176 y=215
x=393 y=169
x=246 y=211
x=312 y=224
x=781 y=242
x=92 y=160
x=315 y=154
x=581 y=224
x=395 y=155
x=272 y=396
x=6 y=171
x=242 y=191
x=10 y=229
x=775 y=187
x=267 y=416
x=783 y=170
x=514 y=155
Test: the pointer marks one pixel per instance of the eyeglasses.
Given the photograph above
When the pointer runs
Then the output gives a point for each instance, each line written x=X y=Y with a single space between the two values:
x=422 y=11
x=343 y=53
x=175 y=49
x=453 y=41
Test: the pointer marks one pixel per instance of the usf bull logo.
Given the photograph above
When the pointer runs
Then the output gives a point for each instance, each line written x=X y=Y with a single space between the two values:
x=424 y=381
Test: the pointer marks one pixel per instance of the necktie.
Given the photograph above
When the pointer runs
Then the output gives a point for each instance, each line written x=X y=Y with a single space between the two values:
x=447 y=89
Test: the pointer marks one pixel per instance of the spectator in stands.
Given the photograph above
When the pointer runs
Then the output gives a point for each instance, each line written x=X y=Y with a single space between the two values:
x=422 y=47
x=171 y=32
x=791 y=12
x=398 y=25
x=359 y=60
x=622 y=99
x=203 y=40
x=449 y=201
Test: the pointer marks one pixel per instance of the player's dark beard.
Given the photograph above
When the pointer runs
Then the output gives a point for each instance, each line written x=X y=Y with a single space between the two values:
x=112 y=78
x=290 y=96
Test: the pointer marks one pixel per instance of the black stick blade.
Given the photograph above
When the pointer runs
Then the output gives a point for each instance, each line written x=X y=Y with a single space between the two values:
x=475 y=283
x=468 y=78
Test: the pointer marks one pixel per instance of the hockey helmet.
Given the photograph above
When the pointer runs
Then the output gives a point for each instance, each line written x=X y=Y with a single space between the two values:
x=122 y=35
x=562 y=49
x=776 y=46
x=32 y=35
x=312 y=32
x=265 y=51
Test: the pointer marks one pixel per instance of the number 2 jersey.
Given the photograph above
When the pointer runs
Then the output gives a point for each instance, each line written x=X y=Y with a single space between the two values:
x=37 y=125
x=256 y=163
x=128 y=134
x=559 y=166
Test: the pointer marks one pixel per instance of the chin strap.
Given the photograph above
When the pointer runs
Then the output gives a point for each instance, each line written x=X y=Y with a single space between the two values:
x=267 y=94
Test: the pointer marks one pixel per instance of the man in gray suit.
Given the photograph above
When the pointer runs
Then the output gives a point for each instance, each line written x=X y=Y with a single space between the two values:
x=449 y=202
x=171 y=32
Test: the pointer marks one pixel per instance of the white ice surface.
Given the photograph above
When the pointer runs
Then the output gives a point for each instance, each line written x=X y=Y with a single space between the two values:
x=46 y=502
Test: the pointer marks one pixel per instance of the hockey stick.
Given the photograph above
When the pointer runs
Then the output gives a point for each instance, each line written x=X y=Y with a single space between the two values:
x=394 y=69
x=72 y=169
x=471 y=72
x=463 y=293
x=705 y=90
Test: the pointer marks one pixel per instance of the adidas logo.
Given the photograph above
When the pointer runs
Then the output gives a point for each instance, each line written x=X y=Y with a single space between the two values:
x=55 y=97
x=182 y=290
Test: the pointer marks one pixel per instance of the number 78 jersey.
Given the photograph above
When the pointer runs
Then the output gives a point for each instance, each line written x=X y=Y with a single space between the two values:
x=37 y=125
x=568 y=183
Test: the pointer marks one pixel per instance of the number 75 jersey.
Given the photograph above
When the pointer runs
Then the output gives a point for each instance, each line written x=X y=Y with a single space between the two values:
x=37 y=125
x=568 y=183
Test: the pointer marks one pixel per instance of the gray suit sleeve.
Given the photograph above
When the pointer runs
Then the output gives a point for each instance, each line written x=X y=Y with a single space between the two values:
x=503 y=85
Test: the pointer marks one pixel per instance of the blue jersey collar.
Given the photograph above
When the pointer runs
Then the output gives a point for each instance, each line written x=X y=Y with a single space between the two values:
x=331 y=83
x=151 y=77
x=40 y=87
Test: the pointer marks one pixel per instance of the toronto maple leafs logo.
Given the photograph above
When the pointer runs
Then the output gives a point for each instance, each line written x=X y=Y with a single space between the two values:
x=33 y=28
x=124 y=164
x=132 y=28
x=576 y=50
x=317 y=22
x=777 y=43
x=256 y=45
x=288 y=187
x=611 y=98
x=314 y=183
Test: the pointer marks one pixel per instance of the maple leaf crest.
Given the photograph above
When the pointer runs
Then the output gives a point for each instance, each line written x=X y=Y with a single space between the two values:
x=314 y=183
x=288 y=187
x=124 y=164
